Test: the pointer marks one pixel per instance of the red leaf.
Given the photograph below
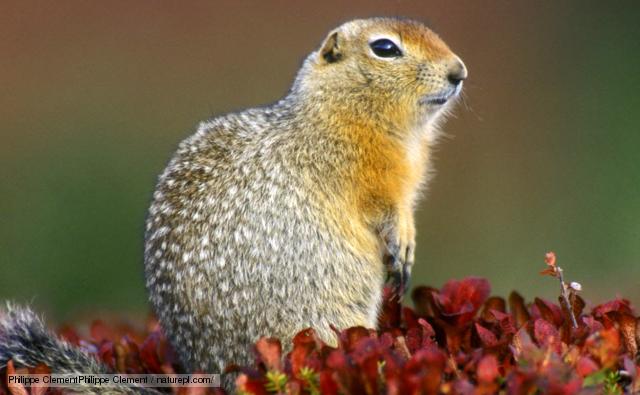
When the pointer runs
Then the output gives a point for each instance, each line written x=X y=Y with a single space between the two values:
x=549 y=272
x=521 y=343
x=505 y=321
x=464 y=387
x=69 y=335
x=401 y=346
x=458 y=301
x=304 y=344
x=149 y=353
x=627 y=325
x=572 y=387
x=605 y=346
x=577 y=304
x=251 y=386
x=410 y=318
x=327 y=384
x=518 y=309
x=487 y=337
x=107 y=354
x=548 y=311
x=631 y=367
x=100 y=332
x=40 y=388
x=619 y=305
x=386 y=340
x=550 y=258
x=454 y=336
x=193 y=390
x=413 y=339
x=390 y=314
x=351 y=336
x=423 y=372
x=546 y=334
x=366 y=357
x=493 y=303
x=586 y=366
x=269 y=351
x=121 y=357
x=337 y=360
x=488 y=369
x=592 y=324
x=428 y=333
x=634 y=373
x=422 y=298
x=14 y=388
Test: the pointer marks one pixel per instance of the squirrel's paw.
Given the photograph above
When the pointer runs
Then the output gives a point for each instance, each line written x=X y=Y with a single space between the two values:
x=400 y=248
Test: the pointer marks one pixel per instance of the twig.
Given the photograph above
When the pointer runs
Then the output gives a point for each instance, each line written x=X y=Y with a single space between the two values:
x=565 y=297
x=556 y=271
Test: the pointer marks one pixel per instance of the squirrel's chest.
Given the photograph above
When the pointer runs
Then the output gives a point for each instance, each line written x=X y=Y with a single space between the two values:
x=388 y=175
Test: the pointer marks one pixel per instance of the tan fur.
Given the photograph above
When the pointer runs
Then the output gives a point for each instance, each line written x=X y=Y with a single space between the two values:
x=275 y=219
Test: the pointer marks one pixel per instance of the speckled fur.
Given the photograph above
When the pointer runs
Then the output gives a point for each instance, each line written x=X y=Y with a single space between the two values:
x=276 y=219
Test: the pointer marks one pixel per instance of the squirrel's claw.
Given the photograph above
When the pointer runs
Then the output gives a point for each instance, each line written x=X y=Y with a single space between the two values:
x=399 y=271
x=406 y=278
x=398 y=284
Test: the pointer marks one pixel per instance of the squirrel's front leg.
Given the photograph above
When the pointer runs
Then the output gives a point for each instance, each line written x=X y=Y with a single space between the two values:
x=398 y=238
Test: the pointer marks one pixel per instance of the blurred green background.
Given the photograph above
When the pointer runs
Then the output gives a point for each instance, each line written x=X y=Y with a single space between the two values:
x=95 y=96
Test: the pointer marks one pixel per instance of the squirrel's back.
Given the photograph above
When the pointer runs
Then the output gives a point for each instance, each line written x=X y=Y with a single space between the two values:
x=242 y=241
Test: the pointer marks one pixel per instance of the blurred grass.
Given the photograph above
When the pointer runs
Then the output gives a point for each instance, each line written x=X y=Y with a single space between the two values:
x=94 y=97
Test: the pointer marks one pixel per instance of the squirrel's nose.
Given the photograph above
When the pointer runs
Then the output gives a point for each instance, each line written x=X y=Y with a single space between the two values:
x=457 y=72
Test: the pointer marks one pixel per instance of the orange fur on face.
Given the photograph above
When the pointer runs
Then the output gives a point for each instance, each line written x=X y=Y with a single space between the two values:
x=392 y=150
x=426 y=42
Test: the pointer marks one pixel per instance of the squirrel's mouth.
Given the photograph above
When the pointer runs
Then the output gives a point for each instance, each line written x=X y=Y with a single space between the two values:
x=441 y=98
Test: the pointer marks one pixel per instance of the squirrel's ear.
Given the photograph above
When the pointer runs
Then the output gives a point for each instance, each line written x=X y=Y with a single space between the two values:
x=330 y=50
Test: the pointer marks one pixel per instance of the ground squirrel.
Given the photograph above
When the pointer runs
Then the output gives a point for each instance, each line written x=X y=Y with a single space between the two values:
x=275 y=219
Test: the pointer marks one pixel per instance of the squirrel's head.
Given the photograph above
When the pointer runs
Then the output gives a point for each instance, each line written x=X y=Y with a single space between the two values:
x=397 y=71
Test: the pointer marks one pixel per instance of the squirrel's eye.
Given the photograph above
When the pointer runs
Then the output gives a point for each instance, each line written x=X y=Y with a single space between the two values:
x=385 y=48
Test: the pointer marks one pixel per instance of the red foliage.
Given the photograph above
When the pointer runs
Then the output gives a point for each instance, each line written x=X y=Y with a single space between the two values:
x=456 y=340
